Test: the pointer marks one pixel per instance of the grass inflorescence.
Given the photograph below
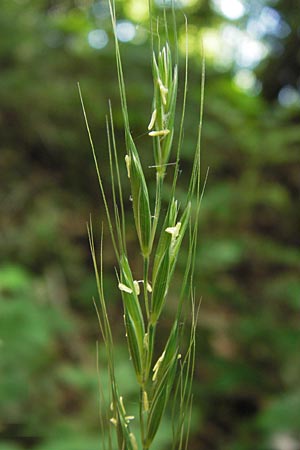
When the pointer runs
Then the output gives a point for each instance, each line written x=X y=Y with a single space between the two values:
x=160 y=236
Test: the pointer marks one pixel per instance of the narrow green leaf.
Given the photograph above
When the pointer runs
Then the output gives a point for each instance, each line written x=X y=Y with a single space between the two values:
x=170 y=352
x=165 y=238
x=175 y=246
x=131 y=301
x=163 y=383
x=134 y=320
x=160 y=286
x=136 y=352
x=140 y=200
x=156 y=411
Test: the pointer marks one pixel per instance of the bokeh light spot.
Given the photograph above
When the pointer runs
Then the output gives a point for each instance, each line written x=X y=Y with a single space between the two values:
x=289 y=96
x=246 y=80
x=250 y=52
x=97 y=39
x=231 y=9
x=137 y=10
x=125 y=31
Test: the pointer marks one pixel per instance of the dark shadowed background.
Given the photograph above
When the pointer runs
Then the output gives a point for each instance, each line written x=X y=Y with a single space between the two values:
x=247 y=380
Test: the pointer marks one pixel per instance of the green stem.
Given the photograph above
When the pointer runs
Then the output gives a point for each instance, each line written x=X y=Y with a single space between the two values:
x=145 y=279
x=151 y=337
x=142 y=417
x=159 y=182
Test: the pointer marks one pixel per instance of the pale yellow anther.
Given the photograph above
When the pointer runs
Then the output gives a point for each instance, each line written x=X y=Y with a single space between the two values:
x=136 y=287
x=113 y=421
x=165 y=58
x=133 y=441
x=122 y=405
x=149 y=288
x=128 y=164
x=174 y=231
x=152 y=120
x=145 y=401
x=124 y=288
x=159 y=132
x=146 y=340
x=163 y=91
x=157 y=366
x=129 y=418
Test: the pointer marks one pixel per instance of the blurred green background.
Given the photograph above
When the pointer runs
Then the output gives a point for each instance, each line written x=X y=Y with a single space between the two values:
x=247 y=381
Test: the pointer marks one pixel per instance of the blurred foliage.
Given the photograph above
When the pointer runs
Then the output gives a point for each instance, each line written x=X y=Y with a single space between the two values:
x=248 y=266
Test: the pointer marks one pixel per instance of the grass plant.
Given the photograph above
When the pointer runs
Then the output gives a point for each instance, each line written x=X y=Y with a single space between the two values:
x=160 y=234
